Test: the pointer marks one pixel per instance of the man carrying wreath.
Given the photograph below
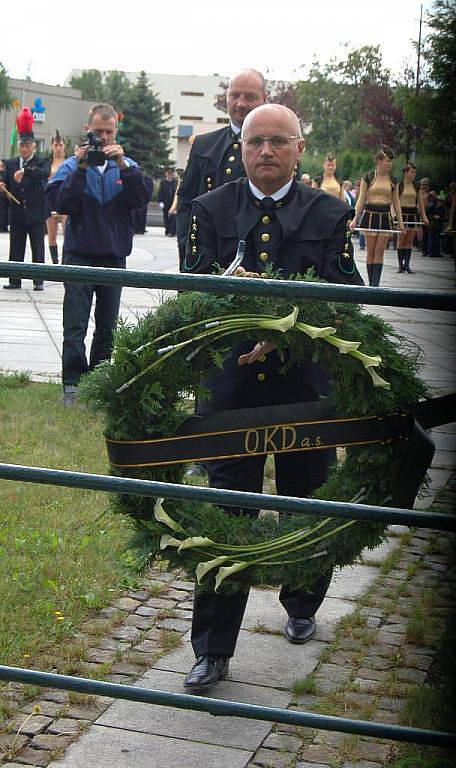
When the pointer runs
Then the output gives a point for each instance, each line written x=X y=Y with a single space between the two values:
x=288 y=228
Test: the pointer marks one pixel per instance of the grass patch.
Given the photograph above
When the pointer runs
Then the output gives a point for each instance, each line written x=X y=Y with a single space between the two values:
x=391 y=561
x=60 y=548
x=433 y=705
x=169 y=639
x=307 y=685
x=417 y=627
x=263 y=629
x=14 y=379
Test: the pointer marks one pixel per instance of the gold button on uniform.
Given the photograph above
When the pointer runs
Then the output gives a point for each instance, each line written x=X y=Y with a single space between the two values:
x=262 y=359
x=235 y=146
x=264 y=255
x=231 y=158
x=261 y=376
x=228 y=171
x=265 y=219
x=265 y=237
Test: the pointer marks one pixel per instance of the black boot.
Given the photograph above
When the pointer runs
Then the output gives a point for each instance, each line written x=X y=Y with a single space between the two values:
x=376 y=274
x=53 y=250
x=407 y=256
x=369 y=268
x=400 y=260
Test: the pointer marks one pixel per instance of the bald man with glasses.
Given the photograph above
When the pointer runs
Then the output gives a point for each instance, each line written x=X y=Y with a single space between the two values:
x=287 y=228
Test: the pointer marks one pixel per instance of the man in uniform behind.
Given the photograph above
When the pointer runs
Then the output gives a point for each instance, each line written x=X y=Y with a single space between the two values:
x=289 y=227
x=215 y=158
x=25 y=177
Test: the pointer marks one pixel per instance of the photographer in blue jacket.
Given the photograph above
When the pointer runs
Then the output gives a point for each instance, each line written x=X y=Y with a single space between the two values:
x=98 y=188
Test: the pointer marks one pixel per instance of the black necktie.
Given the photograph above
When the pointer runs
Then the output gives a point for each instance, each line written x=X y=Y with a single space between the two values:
x=267 y=203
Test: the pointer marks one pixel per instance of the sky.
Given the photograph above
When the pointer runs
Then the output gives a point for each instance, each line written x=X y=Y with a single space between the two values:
x=278 y=37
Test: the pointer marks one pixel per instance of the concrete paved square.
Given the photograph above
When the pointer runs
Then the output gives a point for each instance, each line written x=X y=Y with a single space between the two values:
x=103 y=747
x=234 y=732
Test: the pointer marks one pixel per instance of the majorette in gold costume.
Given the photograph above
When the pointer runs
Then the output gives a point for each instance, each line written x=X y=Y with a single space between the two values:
x=413 y=214
x=328 y=181
x=378 y=192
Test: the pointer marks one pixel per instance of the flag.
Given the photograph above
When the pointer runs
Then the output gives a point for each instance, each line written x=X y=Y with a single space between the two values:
x=13 y=139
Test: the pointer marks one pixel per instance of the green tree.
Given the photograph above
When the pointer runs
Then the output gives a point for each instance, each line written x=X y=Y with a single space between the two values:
x=90 y=83
x=350 y=104
x=322 y=107
x=144 y=130
x=116 y=89
x=440 y=56
x=363 y=66
x=5 y=96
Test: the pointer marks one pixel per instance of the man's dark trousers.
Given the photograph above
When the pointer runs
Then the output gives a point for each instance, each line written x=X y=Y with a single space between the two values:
x=18 y=241
x=217 y=618
x=77 y=305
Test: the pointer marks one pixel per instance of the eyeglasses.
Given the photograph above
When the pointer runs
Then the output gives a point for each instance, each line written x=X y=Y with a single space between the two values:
x=277 y=142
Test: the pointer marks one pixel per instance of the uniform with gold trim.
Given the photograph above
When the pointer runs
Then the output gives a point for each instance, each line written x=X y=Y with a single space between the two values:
x=27 y=219
x=305 y=228
x=215 y=158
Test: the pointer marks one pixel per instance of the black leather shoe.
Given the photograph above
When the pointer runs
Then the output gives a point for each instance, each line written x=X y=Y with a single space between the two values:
x=10 y=287
x=207 y=671
x=300 y=630
x=38 y=287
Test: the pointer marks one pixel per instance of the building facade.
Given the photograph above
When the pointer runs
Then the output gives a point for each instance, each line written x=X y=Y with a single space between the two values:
x=189 y=103
x=53 y=107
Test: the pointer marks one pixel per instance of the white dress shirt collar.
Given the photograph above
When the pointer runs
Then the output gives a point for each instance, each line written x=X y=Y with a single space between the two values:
x=275 y=196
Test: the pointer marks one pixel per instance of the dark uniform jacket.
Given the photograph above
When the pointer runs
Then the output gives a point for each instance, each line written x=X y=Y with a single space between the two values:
x=166 y=192
x=215 y=158
x=307 y=228
x=30 y=191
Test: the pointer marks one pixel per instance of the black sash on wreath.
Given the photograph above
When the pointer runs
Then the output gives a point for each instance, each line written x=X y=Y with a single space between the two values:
x=296 y=427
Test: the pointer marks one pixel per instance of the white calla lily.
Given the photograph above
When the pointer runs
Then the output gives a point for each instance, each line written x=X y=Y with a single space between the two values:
x=314 y=332
x=203 y=568
x=284 y=323
x=368 y=361
x=162 y=517
x=228 y=571
x=377 y=380
x=345 y=347
x=169 y=541
x=195 y=541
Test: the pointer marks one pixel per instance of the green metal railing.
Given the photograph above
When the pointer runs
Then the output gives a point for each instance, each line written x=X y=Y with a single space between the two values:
x=354 y=294
x=220 y=497
x=224 y=285
x=222 y=708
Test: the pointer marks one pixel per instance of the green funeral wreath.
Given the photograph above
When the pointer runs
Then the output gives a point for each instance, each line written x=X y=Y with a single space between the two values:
x=157 y=366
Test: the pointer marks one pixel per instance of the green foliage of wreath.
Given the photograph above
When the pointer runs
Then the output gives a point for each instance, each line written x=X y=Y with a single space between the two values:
x=283 y=549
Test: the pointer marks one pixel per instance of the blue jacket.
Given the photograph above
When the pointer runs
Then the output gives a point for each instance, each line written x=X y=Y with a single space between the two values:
x=99 y=206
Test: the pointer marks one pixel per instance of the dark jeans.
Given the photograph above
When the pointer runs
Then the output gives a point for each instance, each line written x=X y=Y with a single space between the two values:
x=18 y=241
x=140 y=220
x=77 y=305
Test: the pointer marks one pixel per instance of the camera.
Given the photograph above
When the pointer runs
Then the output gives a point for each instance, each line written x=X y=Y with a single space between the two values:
x=95 y=156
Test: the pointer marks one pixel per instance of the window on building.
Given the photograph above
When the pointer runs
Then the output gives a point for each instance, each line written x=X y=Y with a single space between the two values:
x=192 y=93
x=184 y=131
x=193 y=118
x=223 y=120
x=167 y=108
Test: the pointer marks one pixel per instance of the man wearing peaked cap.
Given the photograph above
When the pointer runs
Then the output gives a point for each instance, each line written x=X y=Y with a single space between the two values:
x=215 y=158
x=287 y=227
x=24 y=178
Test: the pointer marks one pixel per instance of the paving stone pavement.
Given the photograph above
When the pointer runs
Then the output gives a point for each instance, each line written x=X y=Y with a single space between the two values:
x=355 y=668
x=143 y=637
